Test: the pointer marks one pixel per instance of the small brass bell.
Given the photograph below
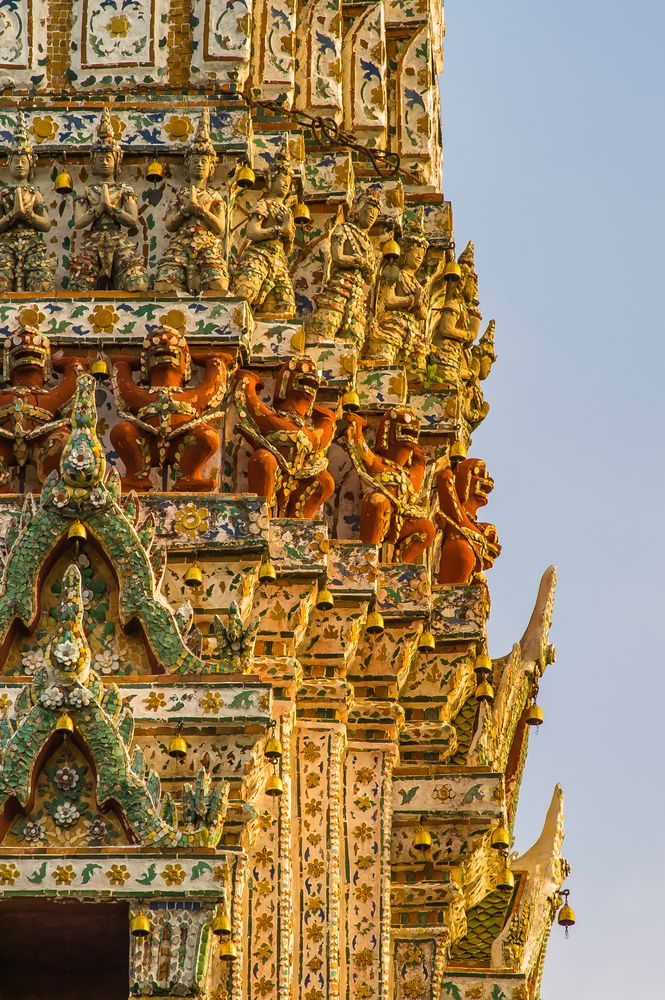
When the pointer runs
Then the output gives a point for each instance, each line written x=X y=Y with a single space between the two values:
x=301 y=214
x=426 y=642
x=273 y=750
x=457 y=452
x=274 y=785
x=154 y=171
x=325 y=600
x=485 y=692
x=65 y=723
x=500 y=838
x=228 y=951
x=245 y=177
x=193 y=577
x=483 y=665
x=375 y=624
x=178 y=747
x=452 y=271
x=566 y=915
x=391 y=250
x=506 y=879
x=351 y=401
x=99 y=369
x=140 y=926
x=534 y=715
x=422 y=840
x=77 y=532
x=266 y=571
x=63 y=183
x=221 y=925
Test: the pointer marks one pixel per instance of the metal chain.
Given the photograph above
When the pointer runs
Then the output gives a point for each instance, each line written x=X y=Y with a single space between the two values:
x=327 y=133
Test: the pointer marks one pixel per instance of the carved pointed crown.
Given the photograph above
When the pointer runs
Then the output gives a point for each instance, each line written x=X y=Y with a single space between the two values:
x=106 y=137
x=202 y=142
x=21 y=138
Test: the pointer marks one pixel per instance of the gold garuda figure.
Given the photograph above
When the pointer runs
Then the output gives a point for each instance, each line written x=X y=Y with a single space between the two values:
x=397 y=333
x=167 y=420
x=33 y=427
x=195 y=260
x=392 y=474
x=291 y=439
x=341 y=306
x=106 y=214
x=26 y=265
x=261 y=273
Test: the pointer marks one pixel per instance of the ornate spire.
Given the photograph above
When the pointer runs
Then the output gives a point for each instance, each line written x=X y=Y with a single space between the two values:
x=486 y=342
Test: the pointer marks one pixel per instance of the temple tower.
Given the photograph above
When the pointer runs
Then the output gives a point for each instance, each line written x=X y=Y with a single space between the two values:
x=252 y=743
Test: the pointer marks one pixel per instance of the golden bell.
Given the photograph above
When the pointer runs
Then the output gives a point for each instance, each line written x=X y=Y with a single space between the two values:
x=483 y=664
x=351 y=401
x=178 y=747
x=266 y=571
x=63 y=183
x=391 y=250
x=245 y=177
x=500 y=838
x=426 y=642
x=154 y=171
x=273 y=749
x=65 y=723
x=506 y=879
x=534 y=715
x=457 y=451
x=140 y=926
x=422 y=840
x=99 y=369
x=77 y=532
x=566 y=917
x=221 y=925
x=228 y=951
x=274 y=785
x=301 y=214
x=193 y=577
x=485 y=692
x=452 y=271
x=375 y=624
x=325 y=600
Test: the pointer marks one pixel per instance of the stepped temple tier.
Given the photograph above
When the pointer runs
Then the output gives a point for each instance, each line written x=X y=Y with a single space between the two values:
x=253 y=746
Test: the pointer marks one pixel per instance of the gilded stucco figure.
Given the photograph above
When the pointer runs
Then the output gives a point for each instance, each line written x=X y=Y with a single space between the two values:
x=107 y=218
x=261 y=272
x=26 y=264
x=194 y=260
x=341 y=306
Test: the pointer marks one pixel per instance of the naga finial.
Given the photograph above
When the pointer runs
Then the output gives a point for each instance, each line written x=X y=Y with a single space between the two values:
x=68 y=651
x=83 y=463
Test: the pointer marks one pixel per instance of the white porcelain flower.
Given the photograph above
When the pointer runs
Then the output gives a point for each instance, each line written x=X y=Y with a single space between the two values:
x=52 y=697
x=66 y=814
x=66 y=652
x=66 y=778
x=33 y=832
x=32 y=661
x=107 y=662
x=79 y=697
x=87 y=596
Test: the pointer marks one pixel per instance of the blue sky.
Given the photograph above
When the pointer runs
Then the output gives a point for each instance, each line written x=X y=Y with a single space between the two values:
x=554 y=160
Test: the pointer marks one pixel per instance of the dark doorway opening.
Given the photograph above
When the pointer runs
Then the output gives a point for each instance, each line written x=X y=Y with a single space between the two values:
x=55 y=950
